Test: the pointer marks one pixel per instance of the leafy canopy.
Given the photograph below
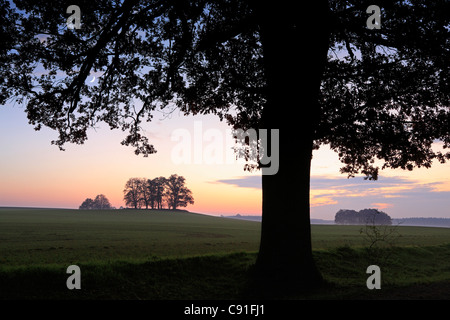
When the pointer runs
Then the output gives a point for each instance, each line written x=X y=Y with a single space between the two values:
x=384 y=92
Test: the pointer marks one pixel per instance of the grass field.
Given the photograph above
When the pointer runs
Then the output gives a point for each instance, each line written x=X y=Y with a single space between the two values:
x=128 y=254
x=73 y=236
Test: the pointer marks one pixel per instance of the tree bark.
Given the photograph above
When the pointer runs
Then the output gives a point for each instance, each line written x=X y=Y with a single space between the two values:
x=295 y=44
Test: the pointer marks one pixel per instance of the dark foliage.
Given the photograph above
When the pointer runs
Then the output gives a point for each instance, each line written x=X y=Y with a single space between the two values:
x=384 y=93
x=99 y=203
x=154 y=193
x=362 y=217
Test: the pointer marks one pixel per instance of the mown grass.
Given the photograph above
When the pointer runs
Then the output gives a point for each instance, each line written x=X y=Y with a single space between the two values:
x=179 y=255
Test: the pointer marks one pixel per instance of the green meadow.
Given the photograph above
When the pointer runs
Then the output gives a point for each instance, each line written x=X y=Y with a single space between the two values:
x=52 y=236
x=139 y=254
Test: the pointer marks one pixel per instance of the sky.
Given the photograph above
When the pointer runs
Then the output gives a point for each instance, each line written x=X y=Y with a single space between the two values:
x=34 y=173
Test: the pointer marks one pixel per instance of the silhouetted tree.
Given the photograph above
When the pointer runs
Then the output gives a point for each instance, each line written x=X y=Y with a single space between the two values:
x=313 y=70
x=99 y=203
x=178 y=195
x=345 y=216
x=87 y=204
x=132 y=193
x=375 y=217
x=152 y=190
x=363 y=217
x=144 y=192
x=160 y=190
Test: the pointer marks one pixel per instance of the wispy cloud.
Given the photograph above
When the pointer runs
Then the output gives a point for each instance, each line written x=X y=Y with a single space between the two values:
x=356 y=185
x=399 y=196
x=243 y=182
x=404 y=196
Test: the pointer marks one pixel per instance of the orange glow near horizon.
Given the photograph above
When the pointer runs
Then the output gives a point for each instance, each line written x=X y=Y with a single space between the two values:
x=34 y=173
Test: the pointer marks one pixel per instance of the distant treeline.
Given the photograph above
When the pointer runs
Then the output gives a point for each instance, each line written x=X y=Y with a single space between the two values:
x=148 y=193
x=362 y=217
x=99 y=203
x=422 y=221
x=157 y=193
x=431 y=222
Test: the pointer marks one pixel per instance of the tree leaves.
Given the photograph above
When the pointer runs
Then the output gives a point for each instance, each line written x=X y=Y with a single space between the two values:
x=384 y=93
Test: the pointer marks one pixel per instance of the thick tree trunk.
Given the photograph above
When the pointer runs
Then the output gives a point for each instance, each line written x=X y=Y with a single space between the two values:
x=295 y=44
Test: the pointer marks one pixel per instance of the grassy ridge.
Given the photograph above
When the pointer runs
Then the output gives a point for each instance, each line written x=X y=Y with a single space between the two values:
x=180 y=255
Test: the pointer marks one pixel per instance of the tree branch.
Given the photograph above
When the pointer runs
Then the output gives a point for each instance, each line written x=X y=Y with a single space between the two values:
x=221 y=34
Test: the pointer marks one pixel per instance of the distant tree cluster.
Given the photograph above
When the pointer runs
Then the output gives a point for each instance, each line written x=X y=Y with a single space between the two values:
x=158 y=192
x=365 y=216
x=99 y=203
